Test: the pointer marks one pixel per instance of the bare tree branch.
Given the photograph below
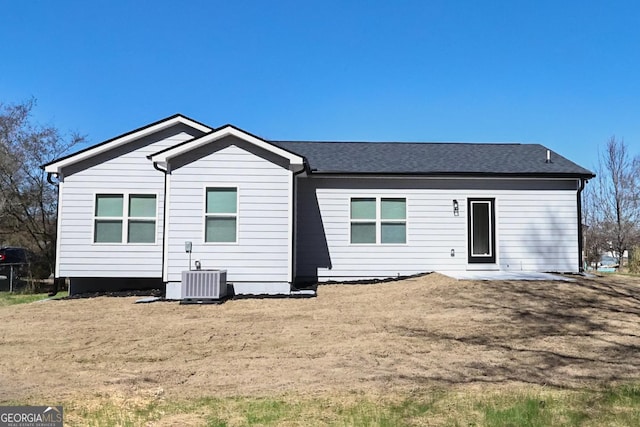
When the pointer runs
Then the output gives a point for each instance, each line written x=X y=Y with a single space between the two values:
x=612 y=202
x=28 y=203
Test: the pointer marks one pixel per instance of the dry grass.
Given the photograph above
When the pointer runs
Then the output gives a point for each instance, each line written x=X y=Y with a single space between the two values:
x=413 y=336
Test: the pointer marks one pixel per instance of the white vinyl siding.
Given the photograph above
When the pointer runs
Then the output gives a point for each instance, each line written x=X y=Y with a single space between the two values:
x=537 y=233
x=536 y=226
x=121 y=172
x=261 y=251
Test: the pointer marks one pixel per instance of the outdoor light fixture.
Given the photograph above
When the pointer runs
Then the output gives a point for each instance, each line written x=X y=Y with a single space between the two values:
x=456 y=208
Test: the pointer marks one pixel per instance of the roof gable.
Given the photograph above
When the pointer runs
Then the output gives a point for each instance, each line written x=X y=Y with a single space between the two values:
x=164 y=156
x=56 y=165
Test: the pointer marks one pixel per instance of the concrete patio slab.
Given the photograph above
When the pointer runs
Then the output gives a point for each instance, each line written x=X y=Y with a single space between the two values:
x=505 y=275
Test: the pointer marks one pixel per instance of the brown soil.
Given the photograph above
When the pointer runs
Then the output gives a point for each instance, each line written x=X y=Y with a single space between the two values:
x=416 y=334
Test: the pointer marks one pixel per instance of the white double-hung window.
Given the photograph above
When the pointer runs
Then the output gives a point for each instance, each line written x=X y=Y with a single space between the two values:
x=378 y=220
x=125 y=218
x=221 y=215
x=142 y=219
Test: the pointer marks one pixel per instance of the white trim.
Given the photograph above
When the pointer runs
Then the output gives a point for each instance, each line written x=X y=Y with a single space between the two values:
x=142 y=219
x=374 y=220
x=165 y=229
x=164 y=157
x=377 y=221
x=83 y=155
x=125 y=218
x=261 y=288
x=290 y=223
x=56 y=272
x=205 y=215
x=94 y=218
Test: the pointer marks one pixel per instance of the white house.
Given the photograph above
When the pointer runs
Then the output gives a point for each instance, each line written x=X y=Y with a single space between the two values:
x=277 y=213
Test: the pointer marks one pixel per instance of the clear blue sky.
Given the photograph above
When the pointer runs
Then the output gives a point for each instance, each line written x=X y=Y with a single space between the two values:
x=565 y=74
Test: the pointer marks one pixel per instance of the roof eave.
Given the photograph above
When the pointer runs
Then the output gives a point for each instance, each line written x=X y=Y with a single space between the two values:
x=567 y=175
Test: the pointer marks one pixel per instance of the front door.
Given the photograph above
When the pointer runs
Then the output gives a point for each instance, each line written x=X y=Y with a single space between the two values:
x=481 y=228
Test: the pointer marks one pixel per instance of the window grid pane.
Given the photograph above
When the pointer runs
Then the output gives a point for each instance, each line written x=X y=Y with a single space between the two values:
x=142 y=205
x=109 y=205
x=108 y=231
x=393 y=232
x=222 y=200
x=220 y=229
x=142 y=231
x=393 y=209
x=363 y=208
x=363 y=232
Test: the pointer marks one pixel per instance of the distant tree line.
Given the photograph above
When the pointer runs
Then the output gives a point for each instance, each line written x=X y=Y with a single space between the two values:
x=28 y=203
x=611 y=206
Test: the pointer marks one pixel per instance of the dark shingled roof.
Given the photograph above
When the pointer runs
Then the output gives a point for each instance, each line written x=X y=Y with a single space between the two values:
x=432 y=158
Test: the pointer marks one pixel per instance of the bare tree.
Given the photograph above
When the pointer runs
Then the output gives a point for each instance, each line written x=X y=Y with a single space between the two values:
x=595 y=242
x=28 y=204
x=614 y=199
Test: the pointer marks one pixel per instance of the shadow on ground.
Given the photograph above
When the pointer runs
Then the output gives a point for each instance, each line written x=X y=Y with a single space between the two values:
x=563 y=334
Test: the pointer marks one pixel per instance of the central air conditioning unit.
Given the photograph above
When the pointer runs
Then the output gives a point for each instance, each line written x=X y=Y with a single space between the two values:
x=204 y=284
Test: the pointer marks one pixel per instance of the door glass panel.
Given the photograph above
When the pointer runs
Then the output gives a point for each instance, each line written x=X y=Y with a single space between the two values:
x=481 y=239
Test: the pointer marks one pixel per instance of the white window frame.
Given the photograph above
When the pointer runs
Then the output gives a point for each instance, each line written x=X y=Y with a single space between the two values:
x=206 y=215
x=375 y=221
x=379 y=221
x=142 y=219
x=124 y=239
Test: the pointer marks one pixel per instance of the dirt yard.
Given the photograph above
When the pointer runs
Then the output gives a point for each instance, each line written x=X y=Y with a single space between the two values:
x=422 y=333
